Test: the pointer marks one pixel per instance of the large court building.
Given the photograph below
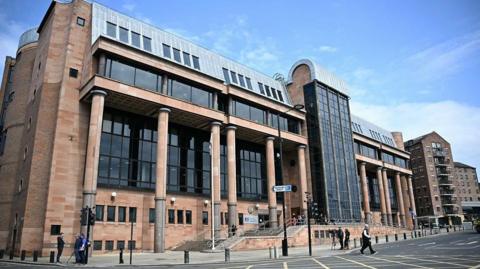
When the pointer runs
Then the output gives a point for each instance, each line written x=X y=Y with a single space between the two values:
x=102 y=110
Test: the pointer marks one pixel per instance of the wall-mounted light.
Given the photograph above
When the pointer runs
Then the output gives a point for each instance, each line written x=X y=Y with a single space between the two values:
x=172 y=200
x=112 y=197
x=206 y=202
x=257 y=206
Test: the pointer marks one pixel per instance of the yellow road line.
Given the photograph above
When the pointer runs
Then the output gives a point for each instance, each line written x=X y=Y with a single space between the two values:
x=408 y=264
x=359 y=263
x=425 y=260
x=321 y=264
x=285 y=265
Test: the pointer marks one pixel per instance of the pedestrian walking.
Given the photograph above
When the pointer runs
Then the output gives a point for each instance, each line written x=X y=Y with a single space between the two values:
x=346 y=245
x=60 y=245
x=83 y=249
x=334 y=241
x=76 y=248
x=366 y=241
x=340 y=237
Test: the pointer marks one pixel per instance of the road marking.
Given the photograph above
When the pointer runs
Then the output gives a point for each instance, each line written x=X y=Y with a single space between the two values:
x=408 y=264
x=248 y=267
x=473 y=242
x=321 y=264
x=450 y=257
x=359 y=263
x=426 y=244
x=425 y=260
x=476 y=267
x=285 y=266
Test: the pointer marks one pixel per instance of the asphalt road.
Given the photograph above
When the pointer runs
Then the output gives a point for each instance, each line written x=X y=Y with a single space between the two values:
x=456 y=250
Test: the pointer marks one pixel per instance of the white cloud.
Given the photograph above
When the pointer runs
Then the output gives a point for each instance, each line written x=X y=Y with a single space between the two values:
x=326 y=48
x=446 y=58
x=10 y=32
x=457 y=123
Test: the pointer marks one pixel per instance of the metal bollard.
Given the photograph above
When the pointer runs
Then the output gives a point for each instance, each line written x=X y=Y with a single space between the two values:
x=275 y=252
x=22 y=255
x=396 y=237
x=35 y=255
x=355 y=243
x=186 y=257
x=227 y=255
x=376 y=239
x=121 y=256
x=404 y=236
x=386 y=238
x=52 y=256
x=270 y=252
x=2 y=252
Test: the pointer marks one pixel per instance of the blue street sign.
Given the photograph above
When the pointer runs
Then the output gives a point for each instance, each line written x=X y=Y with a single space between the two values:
x=282 y=188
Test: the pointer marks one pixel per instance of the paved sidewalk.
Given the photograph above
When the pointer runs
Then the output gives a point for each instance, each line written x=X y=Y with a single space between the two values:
x=177 y=257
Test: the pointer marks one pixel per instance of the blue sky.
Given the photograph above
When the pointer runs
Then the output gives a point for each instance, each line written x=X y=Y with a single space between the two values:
x=412 y=66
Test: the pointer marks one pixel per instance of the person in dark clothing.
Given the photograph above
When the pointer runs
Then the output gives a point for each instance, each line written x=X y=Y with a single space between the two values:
x=347 y=239
x=366 y=241
x=340 y=237
x=76 y=248
x=234 y=230
x=60 y=245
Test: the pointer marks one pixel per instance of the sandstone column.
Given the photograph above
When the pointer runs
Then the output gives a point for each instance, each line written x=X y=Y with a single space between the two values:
x=406 y=202
x=401 y=208
x=302 y=172
x=93 y=148
x=272 y=198
x=232 y=177
x=215 y=147
x=366 y=198
x=161 y=180
x=383 y=209
x=387 y=197
x=412 y=200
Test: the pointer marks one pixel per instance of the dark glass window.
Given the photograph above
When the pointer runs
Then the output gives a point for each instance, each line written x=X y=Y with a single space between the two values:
x=226 y=75
x=188 y=217
x=242 y=80
x=260 y=86
x=97 y=245
x=274 y=93
x=179 y=216
x=240 y=218
x=196 y=62
x=249 y=83
x=133 y=76
x=386 y=157
x=123 y=34
x=186 y=58
x=111 y=29
x=249 y=112
x=147 y=80
x=73 y=73
x=55 y=229
x=166 y=51
x=151 y=215
x=234 y=77
x=251 y=173
x=110 y=213
x=132 y=214
x=205 y=217
x=122 y=72
x=80 y=21
x=109 y=245
x=120 y=244
x=122 y=214
x=171 y=216
x=176 y=55
x=267 y=90
x=147 y=43
x=189 y=93
x=136 y=39
x=99 y=212
x=131 y=244
x=280 y=96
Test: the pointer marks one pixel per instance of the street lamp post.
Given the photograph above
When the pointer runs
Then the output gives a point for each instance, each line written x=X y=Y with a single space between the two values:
x=280 y=146
x=309 y=216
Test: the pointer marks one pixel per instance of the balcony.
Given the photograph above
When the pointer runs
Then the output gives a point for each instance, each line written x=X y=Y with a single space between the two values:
x=445 y=182
x=450 y=211
x=447 y=192
x=449 y=201
x=439 y=152
x=440 y=163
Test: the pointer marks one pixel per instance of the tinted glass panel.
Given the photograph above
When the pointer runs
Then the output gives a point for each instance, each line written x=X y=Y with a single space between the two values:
x=274 y=93
x=110 y=213
x=166 y=51
x=260 y=86
x=242 y=80
x=171 y=216
x=132 y=212
x=226 y=75
x=147 y=44
x=257 y=115
x=176 y=55
x=122 y=214
x=180 y=90
x=122 y=72
x=136 y=39
x=188 y=217
x=186 y=59
x=99 y=212
x=123 y=35
x=242 y=110
x=196 y=62
x=201 y=97
x=249 y=83
x=111 y=29
x=146 y=80
x=234 y=77
x=280 y=96
x=267 y=90
x=151 y=215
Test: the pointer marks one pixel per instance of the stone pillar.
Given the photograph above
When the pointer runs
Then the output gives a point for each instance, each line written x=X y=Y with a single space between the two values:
x=412 y=200
x=381 y=192
x=215 y=154
x=93 y=148
x=232 y=177
x=272 y=198
x=406 y=202
x=387 y=197
x=302 y=172
x=364 y=188
x=161 y=180
x=401 y=208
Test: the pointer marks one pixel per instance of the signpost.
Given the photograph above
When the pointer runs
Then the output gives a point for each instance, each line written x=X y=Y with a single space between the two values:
x=250 y=219
x=283 y=188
